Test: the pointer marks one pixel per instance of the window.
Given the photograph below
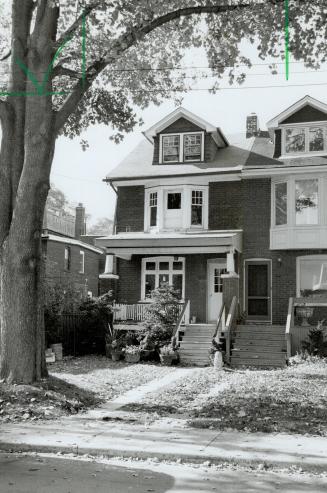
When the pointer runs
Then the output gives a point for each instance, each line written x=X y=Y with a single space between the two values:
x=306 y=201
x=67 y=259
x=171 y=148
x=174 y=200
x=192 y=147
x=305 y=139
x=312 y=275
x=280 y=204
x=217 y=280
x=81 y=262
x=158 y=271
x=196 y=207
x=153 y=209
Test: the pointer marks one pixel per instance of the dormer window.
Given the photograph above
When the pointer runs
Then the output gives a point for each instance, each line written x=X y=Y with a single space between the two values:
x=305 y=140
x=182 y=148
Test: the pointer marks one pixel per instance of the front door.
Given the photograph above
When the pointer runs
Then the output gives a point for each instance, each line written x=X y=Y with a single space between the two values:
x=216 y=268
x=258 y=290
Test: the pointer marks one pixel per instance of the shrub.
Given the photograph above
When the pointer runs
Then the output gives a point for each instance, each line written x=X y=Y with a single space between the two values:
x=316 y=344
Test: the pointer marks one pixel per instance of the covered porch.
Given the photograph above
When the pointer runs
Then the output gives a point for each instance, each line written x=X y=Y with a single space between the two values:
x=193 y=262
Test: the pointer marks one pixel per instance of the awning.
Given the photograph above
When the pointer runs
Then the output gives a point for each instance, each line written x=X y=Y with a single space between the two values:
x=125 y=245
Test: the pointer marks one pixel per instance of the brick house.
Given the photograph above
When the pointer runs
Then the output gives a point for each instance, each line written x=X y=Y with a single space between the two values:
x=70 y=257
x=221 y=220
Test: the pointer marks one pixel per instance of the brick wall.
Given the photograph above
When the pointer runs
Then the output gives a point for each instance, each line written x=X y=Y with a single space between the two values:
x=56 y=274
x=225 y=205
x=130 y=209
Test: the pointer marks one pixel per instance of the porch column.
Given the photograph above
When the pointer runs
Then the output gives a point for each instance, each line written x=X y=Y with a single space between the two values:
x=108 y=280
x=231 y=281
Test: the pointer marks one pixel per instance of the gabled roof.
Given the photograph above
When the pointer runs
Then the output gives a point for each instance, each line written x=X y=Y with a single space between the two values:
x=184 y=113
x=307 y=100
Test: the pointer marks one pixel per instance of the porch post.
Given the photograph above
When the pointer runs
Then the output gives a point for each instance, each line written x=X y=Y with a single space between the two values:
x=231 y=281
x=108 y=280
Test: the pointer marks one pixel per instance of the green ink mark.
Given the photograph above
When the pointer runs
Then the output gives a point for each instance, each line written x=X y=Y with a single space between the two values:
x=287 y=38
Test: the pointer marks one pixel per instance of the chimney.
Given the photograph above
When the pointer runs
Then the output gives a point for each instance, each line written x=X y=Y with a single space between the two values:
x=80 y=228
x=252 y=125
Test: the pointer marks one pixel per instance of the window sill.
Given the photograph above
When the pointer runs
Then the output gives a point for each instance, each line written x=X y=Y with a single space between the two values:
x=298 y=237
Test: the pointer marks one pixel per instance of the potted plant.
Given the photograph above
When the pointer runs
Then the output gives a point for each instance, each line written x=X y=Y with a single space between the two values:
x=132 y=354
x=167 y=355
x=304 y=312
x=116 y=350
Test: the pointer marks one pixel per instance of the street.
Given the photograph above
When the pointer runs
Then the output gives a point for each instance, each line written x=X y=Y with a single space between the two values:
x=48 y=474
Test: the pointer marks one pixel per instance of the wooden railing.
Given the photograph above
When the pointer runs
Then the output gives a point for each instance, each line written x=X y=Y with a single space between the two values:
x=184 y=315
x=289 y=327
x=136 y=312
x=219 y=324
x=231 y=317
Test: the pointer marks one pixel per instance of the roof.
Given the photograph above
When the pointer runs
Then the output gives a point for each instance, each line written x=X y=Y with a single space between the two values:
x=306 y=100
x=72 y=241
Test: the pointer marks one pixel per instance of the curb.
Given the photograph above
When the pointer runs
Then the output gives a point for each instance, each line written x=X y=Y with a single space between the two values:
x=167 y=456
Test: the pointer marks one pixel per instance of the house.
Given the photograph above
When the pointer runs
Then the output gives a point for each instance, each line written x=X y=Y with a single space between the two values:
x=234 y=227
x=70 y=258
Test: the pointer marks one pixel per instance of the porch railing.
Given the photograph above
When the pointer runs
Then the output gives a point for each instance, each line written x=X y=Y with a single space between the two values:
x=220 y=324
x=231 y=318
x=136 y=312
x=183 y=316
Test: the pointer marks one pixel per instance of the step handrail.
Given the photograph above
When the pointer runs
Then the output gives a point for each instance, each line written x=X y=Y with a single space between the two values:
x=229 y=326
x=218 y=332
x=289 y=327
x=174 y=338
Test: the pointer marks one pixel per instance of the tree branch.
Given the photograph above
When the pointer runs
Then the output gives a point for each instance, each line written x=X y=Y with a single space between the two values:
x=128 y=39
x=6 y=56
x=59 y=70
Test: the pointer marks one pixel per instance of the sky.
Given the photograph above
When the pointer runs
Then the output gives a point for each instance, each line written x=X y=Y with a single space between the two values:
x=79 y=174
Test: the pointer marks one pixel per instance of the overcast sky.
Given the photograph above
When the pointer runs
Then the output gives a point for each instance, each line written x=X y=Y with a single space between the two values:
x=79 y=174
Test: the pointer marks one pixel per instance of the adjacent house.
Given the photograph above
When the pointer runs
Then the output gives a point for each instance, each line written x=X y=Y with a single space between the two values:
x=225 y=219
x=71 y=259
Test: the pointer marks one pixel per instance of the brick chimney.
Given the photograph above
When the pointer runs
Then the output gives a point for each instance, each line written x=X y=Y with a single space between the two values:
x=80 y=227
x=252 y=125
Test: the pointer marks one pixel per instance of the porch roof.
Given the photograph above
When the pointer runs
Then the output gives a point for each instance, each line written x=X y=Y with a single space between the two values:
x=125 y=245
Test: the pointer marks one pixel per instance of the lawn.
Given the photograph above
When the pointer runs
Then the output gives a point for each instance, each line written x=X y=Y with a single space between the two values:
x=291 y=400
x=74 y=385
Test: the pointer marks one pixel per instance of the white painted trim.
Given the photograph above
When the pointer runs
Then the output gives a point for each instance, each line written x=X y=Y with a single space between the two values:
x=82 y=254
x=282 y=170
x=72 y=241
x=274 y=122
x=156 y=272
x=222 y=262
x=203 y=179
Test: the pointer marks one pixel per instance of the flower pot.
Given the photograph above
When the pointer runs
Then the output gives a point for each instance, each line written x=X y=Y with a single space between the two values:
x=304 y=312
x=167 y=359
x=147 y=354
x=115 y=355
x=132 y=357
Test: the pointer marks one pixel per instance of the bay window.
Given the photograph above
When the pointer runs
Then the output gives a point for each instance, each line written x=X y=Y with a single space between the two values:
x=280 y=204
x=311 y=275
x=160 y=271
x=304 y=139
x=196 y=207
x=153 y=204
x=306 y=201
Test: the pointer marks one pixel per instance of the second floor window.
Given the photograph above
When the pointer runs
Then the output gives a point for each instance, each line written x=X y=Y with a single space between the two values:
x=196 y=207
x=171 y=149
x=192 y=147
x=306 y=201
x=153 y=208
x=67 y=259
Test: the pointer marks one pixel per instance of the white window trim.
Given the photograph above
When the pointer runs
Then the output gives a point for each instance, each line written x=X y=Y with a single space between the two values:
x=306 y=151
x=170 y=272
x=181 y=147
x=186 y=191
x=82 y=255
x=298 y=262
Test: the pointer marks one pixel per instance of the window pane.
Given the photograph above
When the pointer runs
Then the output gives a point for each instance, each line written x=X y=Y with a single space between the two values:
x=306 y=201
x=178 y=265
x=163 y=279
x=313 y=276
x=178 y=283
x=197 y=197
x=67 y=258
x=150 y=266
x=196 y=215
x=217 y=280
x=170 y=146
x=163 y=265
x=150 y=280
x=192 y=147
x=174 y=200
x=153 y=216
x=316 y=139
x=280 y=204
x=153 y=199
x=295 y=140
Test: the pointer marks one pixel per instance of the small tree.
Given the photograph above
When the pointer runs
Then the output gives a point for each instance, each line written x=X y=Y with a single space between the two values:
x=317 y=343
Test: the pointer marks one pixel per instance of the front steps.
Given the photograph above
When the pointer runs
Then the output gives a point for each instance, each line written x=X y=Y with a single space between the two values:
x=260 y=346
x=196 y=343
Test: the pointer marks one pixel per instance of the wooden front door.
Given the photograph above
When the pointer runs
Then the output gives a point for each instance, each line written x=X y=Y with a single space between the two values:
x=216 y=267
x=258 y=290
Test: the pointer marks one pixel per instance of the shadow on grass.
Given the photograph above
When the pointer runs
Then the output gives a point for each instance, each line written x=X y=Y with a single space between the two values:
x=69 y=391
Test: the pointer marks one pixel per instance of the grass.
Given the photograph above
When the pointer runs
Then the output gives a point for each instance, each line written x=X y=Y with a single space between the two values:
x=291 y=400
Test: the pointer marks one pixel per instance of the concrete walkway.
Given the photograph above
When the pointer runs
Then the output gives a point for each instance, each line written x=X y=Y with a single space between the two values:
x=111 y=439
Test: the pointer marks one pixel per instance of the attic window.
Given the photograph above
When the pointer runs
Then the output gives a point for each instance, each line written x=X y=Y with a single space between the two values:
x=305 y=139
x=182 y=147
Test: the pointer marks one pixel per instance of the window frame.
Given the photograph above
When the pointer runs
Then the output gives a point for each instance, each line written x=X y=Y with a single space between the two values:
x=153 y=196
x=299 y=259
x=156 y=272
x=181 y=136
x=68 y=258
x=81 y=263
x=275 y=184
x=306 y=126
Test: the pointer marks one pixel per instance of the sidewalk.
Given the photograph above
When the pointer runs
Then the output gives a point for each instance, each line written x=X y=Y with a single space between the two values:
x=100 y=438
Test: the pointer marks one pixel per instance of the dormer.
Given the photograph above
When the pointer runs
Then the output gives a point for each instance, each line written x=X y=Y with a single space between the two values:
x=300 y=130
x=184 y=138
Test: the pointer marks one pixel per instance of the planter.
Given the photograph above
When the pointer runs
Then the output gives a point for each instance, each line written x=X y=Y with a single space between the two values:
x=132 y=358
x=147 y=354
x=167 y=359
x=115 y=355
x=304 y=312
